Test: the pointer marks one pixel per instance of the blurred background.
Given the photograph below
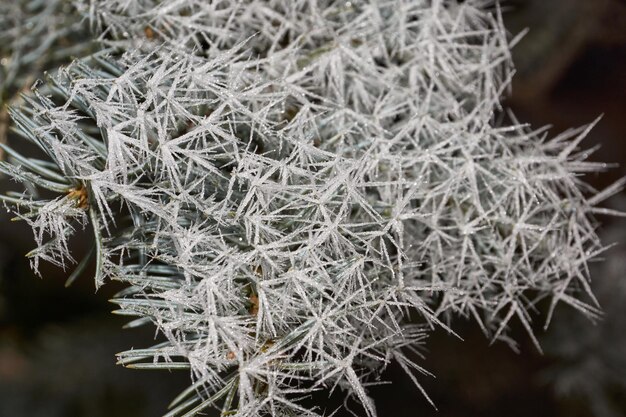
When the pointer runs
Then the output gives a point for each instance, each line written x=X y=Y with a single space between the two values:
x=57 y=345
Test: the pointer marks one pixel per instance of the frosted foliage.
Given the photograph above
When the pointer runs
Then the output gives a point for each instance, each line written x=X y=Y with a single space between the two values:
x=297 y=191
x=36 y=35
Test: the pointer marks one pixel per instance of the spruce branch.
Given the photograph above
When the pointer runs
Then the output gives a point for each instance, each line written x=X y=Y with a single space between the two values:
x=296 y=192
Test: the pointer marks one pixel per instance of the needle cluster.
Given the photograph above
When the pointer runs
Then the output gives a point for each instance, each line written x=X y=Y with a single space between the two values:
x=295 y=191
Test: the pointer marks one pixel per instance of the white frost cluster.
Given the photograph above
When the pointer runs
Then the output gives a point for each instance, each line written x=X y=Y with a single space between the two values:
x=297 y=190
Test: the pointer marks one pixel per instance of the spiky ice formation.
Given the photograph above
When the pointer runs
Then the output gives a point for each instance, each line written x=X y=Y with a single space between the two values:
x=296 y=191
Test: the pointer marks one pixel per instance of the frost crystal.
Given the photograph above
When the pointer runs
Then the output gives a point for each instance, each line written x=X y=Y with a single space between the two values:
x=295 y=192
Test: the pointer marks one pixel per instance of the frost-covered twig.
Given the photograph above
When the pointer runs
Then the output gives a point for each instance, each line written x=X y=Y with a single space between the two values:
x=296 y=191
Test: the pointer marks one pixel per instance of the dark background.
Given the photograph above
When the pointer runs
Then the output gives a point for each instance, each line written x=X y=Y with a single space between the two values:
x=57 y=345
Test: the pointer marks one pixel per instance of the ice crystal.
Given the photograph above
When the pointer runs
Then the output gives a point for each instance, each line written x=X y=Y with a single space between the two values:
x=295 y=192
